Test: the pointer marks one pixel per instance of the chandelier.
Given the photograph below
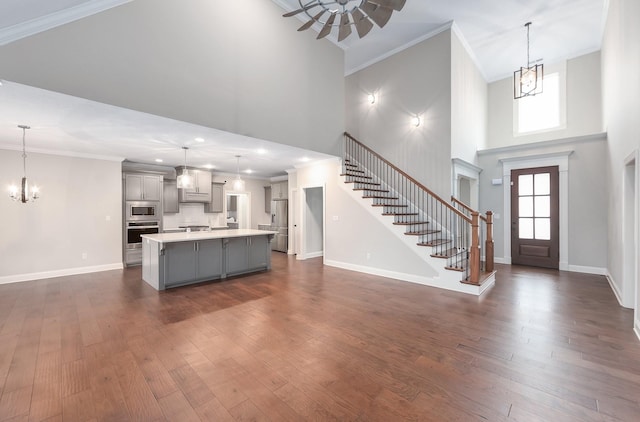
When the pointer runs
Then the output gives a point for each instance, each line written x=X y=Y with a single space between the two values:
x=527 y=81
x=358 y=13
x=23 y=193
x=185 y=180
x=238 y=184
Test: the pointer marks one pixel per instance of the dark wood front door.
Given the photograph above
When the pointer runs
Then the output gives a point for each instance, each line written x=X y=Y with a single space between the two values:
x=535 y=232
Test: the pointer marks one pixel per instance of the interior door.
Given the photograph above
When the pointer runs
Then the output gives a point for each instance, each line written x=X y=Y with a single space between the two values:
x=535 y=231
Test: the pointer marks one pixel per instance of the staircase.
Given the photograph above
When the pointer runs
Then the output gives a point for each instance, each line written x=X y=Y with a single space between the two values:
x=452 y=233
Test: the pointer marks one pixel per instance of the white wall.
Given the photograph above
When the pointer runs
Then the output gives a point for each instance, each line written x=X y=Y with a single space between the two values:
x=414 y=81
x=621 y=111
x=584 y=105
x=235 y=65
x=48 y=237
x=351 y=232
x=587 y=198
x=469 y=103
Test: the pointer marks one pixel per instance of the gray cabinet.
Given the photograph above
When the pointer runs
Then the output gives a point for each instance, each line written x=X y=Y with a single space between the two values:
x=170 y=197
x=142 y=187
x=267 y=199
x=247 y=254
x=201 y=191
x=217 y=198
x=279 y=190
x=189 y=262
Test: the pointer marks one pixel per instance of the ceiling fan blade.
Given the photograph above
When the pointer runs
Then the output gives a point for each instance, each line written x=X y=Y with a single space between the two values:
x=312 y=21
x=363 y=24
x=326 y=29
x=379 y=14
x=345 y=26
x=295 y=12
x=393 y=4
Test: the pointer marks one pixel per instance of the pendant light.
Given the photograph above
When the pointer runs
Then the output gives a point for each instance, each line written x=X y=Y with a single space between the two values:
x=185 y=180
x=238 y=184
x=527 y=81
x=23 y=193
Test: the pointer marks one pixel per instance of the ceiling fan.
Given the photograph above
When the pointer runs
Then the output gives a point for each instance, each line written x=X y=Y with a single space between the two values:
x=359 y=13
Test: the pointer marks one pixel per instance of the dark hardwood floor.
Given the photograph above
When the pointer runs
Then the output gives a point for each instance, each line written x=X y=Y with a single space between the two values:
x=308 y=342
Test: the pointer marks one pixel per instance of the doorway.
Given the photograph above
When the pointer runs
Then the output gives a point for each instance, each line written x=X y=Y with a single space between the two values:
x=535 y=228
x=312 y=238
x=238 y=210
x=629 y=237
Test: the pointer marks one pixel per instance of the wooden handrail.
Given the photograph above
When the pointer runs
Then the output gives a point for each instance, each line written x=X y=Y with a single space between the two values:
x=411 y=179
x=467 y=207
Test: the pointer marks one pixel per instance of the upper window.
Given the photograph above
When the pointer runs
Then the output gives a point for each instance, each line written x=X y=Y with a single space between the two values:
x=545 y=111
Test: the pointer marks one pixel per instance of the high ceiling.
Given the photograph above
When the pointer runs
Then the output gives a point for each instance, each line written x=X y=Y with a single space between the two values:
x=493 y=31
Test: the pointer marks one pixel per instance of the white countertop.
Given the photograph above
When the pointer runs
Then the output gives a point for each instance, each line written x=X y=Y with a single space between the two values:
x=216 y=234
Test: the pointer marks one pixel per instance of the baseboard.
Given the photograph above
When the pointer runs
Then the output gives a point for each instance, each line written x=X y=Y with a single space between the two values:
x=59 y=273
x=636 y=328
x=412 y=278
x=499 y=260
x=314 y=255
x=614 y=287
x=588 y=270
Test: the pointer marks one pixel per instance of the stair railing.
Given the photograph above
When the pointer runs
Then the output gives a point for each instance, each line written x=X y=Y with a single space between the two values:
x=435 y=222
x=485 y=224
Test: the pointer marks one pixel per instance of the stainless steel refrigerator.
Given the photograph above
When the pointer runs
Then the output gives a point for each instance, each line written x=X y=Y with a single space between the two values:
x=280 y=223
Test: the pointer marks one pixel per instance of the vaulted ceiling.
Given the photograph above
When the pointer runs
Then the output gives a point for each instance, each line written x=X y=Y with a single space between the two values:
x=493 y=31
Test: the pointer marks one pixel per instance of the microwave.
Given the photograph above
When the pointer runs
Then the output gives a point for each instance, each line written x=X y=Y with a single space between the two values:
x=139 y=210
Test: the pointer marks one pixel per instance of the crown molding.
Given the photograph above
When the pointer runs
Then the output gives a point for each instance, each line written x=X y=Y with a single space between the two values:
x=62 y=153
x=52 y=20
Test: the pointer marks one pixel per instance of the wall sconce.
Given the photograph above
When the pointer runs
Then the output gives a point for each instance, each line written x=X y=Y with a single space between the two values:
x=371 y=98
x=416 y=121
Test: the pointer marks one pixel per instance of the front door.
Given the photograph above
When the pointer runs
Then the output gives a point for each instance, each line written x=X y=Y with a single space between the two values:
x=535 y=232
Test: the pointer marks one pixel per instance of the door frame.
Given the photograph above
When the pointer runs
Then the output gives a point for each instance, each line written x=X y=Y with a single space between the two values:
x=303 y=222
x=630 y=238
x=463 y=169
x=560 y=159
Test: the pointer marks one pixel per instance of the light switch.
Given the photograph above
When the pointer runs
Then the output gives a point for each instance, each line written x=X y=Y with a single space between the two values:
x=335 y=218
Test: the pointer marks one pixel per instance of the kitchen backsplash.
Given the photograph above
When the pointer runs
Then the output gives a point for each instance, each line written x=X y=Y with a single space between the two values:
x=194 y=215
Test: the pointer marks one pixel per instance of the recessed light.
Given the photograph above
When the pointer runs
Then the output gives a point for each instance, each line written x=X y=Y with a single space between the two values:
x=199 y=140
x=208 y=166
x=305 y=159
x=261 y=151
x=248 y=171
x=158 y=160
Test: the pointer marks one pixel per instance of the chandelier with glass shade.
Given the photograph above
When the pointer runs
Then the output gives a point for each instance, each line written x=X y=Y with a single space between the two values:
x=24 y=193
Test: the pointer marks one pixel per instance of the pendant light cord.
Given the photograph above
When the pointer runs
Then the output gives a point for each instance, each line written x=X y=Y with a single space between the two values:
x=528 y=24
x=24 y=149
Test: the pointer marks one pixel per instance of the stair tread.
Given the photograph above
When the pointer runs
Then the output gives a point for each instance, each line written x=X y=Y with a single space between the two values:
x=357 y=176
x=484 y=276
x=409 y=223
x=447 y=254
x=400 y=213
x=363 y=183
x=379 y=197
x=422 y=232
x=459 y=269
x=372 y=189
x=435 y=242
x=390 y=205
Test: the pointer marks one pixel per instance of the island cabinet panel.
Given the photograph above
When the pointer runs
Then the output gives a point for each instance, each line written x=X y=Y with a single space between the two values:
x=236 y=255
x=209 y=253
x=259 y=252
x=179 y=263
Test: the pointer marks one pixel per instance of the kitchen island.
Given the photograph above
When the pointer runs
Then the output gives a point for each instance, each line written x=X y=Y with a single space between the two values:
x=176 y=259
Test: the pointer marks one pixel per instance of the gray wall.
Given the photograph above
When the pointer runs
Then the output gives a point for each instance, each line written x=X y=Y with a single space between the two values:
x=70 y=218
x=584 y=105
x=469 y=104
x=621 y=110
x=235 y=65
x=587 y=197
x=414 y=81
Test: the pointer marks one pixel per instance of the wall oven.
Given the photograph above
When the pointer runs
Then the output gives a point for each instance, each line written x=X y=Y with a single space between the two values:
x=133 y=241
x=142 y=210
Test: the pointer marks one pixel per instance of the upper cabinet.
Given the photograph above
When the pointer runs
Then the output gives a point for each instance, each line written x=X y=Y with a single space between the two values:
x=142 y=187
x=217 y=198
x=280 y=190
x=201 y=191
x=267 y=199
x=170 y=197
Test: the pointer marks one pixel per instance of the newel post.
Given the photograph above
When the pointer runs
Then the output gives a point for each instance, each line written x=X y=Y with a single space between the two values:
x=489 y=243
x=474 y=257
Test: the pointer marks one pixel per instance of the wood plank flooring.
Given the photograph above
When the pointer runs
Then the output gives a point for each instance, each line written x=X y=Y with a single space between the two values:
x=308 y=342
